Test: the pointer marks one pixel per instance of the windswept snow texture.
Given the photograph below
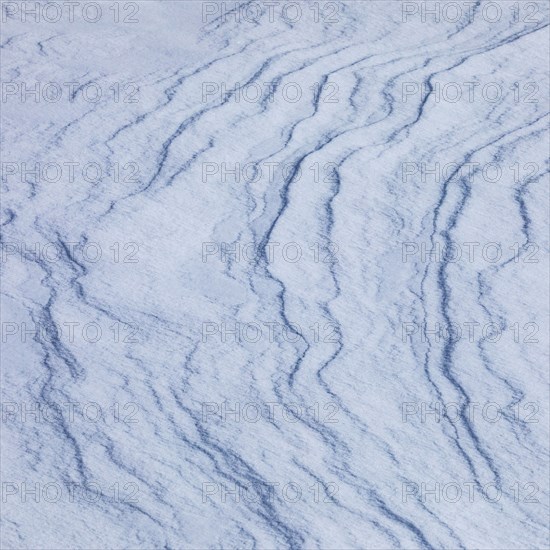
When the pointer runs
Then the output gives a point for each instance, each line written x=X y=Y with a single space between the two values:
x=275 y=275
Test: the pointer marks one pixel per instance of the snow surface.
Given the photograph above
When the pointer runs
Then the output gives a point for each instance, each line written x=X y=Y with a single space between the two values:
x=133 y=415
